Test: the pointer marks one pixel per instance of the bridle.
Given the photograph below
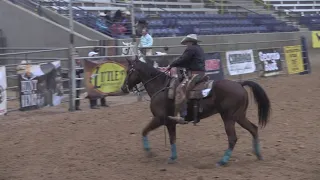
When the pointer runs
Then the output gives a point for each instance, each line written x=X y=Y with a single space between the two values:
x=132 y=69
x=128 y=50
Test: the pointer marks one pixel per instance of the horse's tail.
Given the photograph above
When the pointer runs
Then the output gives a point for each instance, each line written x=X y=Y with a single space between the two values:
x=262 y=101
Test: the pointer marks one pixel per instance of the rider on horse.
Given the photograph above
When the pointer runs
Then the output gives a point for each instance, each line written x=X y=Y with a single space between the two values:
x=193 y=60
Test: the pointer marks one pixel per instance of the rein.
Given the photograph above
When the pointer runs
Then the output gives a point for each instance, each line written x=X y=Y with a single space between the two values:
x=150 y=80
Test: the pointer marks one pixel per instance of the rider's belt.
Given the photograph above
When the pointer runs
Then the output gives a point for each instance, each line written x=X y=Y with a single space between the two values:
x=196 y=72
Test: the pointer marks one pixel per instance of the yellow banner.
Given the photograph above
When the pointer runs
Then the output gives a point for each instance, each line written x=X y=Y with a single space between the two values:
x=108 y=77
x=293 y=55
x=315 y=39
x=104 y=77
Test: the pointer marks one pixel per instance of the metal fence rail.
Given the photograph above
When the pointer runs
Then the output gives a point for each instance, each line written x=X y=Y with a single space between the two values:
x=13 y=80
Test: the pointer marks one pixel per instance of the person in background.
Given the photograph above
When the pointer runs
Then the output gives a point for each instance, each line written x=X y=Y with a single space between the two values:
x=108 y=17
x=146 y=41
x=141 y=24
x=78 y=82
x=117 y=16
x=93 y=101
x=126 y=22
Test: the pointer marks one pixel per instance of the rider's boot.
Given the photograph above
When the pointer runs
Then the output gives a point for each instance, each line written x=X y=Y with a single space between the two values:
x=179 y=115
x=195 y=113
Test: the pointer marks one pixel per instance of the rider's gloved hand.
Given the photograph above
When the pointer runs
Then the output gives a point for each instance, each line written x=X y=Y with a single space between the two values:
x=168 y=68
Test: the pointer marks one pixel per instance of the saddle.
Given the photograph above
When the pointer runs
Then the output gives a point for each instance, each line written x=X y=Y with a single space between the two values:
x=201 y=90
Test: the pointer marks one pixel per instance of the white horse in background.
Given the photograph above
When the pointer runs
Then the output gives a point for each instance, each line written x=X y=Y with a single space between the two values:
x=129 y=51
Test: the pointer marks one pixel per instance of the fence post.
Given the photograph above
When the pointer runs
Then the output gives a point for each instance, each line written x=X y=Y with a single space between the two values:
x=134 y=39
x=305 y=56
x=72 y=72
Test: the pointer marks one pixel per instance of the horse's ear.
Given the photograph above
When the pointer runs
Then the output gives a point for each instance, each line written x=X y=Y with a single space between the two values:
x=124 y=43
x=136 y=58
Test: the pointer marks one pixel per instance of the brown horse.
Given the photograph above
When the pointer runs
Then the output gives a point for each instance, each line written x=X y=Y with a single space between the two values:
x=226 y=97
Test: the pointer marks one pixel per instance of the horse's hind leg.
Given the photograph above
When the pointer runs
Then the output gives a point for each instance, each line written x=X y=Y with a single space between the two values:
x=253 y=129
x=152 y=125
x=229 y=124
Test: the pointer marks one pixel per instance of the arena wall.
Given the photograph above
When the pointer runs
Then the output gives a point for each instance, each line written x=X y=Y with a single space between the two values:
x=231 y=42
x=23 y=28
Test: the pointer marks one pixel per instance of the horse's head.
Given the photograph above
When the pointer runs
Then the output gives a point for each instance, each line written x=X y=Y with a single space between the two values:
x=133 y=77
x=22 y=66
x=127 y=50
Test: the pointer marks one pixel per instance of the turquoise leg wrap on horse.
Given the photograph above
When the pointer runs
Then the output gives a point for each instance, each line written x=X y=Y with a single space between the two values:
x=173 y=152
x=256 y=148
x=226 y=157
x=145 y=142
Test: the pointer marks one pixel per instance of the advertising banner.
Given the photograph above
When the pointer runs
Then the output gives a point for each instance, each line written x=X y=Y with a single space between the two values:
x=3 y=90
x=271 y=61
x=315 y=39
x=104 y=77
x=214 y=67
x=294 y=60
x=40 y=86
x=240 y=62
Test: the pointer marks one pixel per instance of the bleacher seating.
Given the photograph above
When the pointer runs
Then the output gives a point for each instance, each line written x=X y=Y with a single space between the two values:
x=312 y=21
x=173 y=19
x=296 y=6
x=306 y=11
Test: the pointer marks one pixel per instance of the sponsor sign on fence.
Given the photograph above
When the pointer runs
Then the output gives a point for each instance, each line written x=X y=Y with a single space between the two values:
x=104 y=78
x=40 y=86
x=3 y=91
x=315 y=39
x=271 y=61
x=240 y=62
x=213 y=66
x=294 y=60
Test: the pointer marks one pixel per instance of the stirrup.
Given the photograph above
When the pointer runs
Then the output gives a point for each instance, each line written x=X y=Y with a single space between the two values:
x=195 y=122
x=178 y=119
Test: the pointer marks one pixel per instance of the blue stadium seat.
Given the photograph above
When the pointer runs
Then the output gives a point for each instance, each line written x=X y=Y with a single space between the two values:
x=182 y=23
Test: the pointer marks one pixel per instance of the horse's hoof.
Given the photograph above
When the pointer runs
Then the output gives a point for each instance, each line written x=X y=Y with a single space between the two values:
x=260 y=158
x=149 y=154
x=220 y=163
x=171 y=160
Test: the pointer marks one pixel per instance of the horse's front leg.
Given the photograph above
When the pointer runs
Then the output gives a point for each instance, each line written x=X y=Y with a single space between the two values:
x=152 y=125
x=171 y=126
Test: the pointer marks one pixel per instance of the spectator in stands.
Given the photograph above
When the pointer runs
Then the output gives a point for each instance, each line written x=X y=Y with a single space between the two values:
x=78 y=82
x=146 y=41
x=141 y=25
x=118 y=30
x=108 y=16
x=117 y=16
x=93 y=101
x=126 y=21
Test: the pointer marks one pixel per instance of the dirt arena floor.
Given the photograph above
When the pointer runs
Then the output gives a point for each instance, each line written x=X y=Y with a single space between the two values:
x=105 y=144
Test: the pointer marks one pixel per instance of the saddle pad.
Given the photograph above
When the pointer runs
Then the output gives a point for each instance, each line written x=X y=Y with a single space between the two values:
x=201 y=90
